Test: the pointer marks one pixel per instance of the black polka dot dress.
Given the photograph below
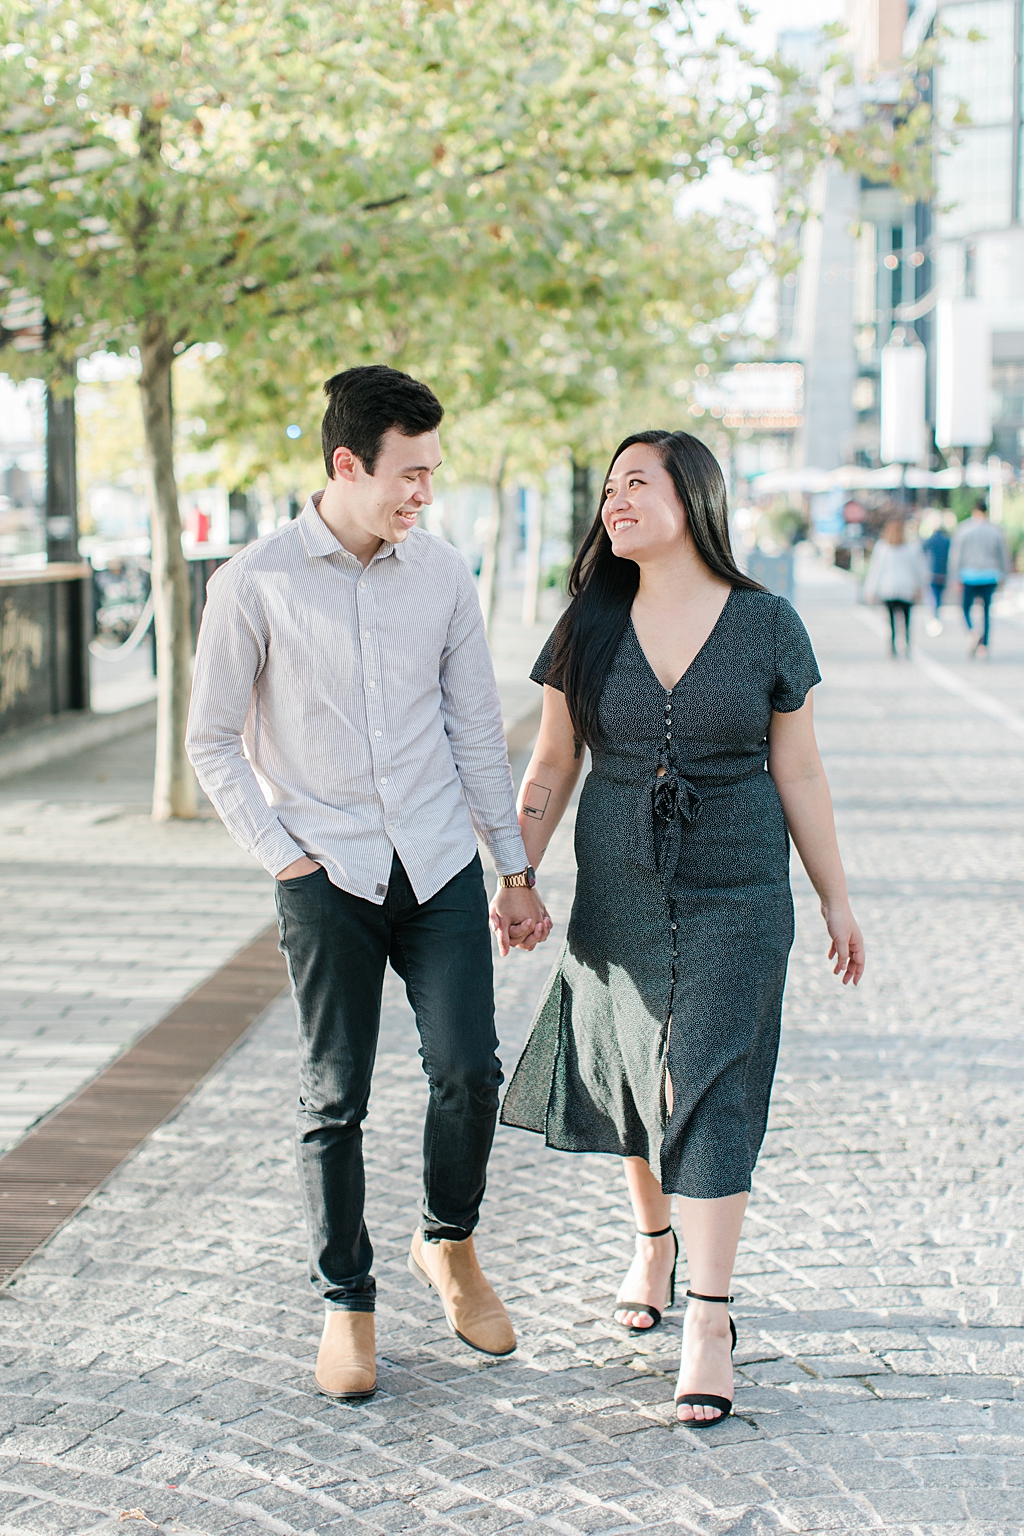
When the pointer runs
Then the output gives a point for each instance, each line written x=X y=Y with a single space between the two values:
x=675 y=959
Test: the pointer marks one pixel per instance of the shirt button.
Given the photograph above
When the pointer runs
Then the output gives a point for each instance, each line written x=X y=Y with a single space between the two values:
x=674 y=927
x=383 y=781
x=366 y=634
x=371 y=683
x=376 y=733
x=668 y=735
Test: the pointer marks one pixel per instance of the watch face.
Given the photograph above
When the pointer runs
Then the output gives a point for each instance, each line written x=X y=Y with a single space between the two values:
x=531 y=876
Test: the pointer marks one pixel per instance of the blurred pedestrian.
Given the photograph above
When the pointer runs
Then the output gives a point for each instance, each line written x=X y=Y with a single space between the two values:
x=979 y=559
x=346 y=725
x=936 y=550
x=658 y=1035
x=898 y=572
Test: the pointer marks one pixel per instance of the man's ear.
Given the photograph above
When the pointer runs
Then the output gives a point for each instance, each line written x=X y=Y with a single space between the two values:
x=345 y=464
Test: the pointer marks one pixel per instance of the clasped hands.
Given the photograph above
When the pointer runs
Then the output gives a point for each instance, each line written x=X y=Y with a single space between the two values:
x=519 y=918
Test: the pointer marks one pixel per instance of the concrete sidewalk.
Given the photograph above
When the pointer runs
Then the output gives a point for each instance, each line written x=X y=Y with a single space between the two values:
x=158 y=1353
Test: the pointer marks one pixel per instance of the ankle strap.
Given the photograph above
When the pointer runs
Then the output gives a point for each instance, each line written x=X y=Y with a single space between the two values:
x=663 y=1233
x=698 y=1297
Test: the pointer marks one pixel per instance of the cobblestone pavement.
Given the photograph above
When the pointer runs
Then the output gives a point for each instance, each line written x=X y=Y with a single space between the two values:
x=109 y=919
x=158 y=1353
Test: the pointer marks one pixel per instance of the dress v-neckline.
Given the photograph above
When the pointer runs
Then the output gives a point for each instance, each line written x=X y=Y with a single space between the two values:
x=693 y=660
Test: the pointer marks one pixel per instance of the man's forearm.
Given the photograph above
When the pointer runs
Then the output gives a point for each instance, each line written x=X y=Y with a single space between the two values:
x=227 y=779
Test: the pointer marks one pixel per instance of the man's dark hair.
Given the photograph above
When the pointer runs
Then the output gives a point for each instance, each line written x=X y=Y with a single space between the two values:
x=364 y=403
x=980 y=505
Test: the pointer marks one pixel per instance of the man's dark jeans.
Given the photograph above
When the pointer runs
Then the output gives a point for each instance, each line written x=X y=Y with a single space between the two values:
x=985 y=591
x=337 y=947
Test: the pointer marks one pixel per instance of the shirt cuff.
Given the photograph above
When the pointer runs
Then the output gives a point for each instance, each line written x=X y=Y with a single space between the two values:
x=508 y=852
x=276 y=850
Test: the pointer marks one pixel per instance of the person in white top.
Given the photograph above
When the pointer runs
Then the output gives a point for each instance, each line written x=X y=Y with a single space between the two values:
x=346 y=725
x=898 y=573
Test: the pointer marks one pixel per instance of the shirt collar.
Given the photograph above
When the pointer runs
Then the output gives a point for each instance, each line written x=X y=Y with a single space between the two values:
x=319 y=540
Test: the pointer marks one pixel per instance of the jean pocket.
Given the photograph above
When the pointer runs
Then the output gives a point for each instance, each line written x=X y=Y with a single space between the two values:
x=297 y=880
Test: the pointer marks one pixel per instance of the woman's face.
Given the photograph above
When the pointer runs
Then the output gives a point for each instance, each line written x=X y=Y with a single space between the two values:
x=641 y=511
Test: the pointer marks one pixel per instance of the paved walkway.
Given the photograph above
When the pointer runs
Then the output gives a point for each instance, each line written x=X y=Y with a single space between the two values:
x=109 y=919
x=158 y=1352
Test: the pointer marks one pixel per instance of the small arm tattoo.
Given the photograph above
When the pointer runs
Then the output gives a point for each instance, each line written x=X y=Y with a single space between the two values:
x=535 y=800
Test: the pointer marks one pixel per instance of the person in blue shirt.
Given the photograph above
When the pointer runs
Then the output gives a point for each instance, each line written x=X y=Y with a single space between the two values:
x=936 y=550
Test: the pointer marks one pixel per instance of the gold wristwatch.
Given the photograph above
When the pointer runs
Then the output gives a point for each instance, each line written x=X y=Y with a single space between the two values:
x=525 y=879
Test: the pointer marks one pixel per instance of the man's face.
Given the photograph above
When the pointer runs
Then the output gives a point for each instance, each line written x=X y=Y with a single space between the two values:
x=386 y=504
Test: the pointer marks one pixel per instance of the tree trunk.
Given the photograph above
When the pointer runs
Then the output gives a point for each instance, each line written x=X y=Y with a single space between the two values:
x=582 y=511
x=534 y=539
x=492 y=545
x=174 y=786
x=61 y=468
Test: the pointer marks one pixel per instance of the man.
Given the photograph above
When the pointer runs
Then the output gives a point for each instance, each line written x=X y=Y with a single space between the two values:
x=346 y=725
x=979 y=559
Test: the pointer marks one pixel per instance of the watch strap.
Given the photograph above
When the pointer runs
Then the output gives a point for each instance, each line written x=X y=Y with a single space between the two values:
x=518 y=881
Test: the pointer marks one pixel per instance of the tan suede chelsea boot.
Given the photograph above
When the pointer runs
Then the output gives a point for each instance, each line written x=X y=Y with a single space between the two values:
x=471 y=1305
x=346 y=1364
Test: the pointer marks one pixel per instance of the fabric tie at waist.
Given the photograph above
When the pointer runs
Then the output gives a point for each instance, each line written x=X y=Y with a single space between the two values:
x=668 y=801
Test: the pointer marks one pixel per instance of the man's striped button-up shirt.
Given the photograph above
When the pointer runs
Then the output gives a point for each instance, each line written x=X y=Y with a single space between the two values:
x=349 y=713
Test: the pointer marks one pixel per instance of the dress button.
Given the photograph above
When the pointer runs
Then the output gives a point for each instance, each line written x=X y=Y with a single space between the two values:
x=674 y=927
x=668 y=735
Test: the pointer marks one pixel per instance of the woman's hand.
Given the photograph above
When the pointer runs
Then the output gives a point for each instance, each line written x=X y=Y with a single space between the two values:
x=847 y=942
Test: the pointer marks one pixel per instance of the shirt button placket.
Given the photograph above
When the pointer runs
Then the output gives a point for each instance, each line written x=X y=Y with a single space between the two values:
x=371 y=683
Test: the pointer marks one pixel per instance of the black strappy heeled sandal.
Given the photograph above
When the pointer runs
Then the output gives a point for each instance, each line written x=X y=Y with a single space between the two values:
x=644 y=1306
x=708 y=1399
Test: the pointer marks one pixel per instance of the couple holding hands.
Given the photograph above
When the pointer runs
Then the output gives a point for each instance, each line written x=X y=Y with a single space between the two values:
x=346 y=725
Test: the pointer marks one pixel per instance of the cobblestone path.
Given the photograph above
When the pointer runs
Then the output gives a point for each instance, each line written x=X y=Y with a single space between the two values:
x=158 y=1353
x=109 y=919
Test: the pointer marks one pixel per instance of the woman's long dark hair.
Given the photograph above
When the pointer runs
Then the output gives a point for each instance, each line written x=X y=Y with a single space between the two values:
x=602 y=586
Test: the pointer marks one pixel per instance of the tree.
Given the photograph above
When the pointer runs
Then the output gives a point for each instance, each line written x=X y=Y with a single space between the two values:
x=485 y=187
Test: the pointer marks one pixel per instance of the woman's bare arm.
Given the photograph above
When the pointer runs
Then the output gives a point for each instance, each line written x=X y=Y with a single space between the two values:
x=551 y=777
x=796 y=769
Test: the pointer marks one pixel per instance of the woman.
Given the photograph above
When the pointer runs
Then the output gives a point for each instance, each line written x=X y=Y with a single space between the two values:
x=897 y=575
x=658 y=1036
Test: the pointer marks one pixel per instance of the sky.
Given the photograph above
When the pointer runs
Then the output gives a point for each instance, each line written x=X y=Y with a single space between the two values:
x=755 y=189
x=725 y=183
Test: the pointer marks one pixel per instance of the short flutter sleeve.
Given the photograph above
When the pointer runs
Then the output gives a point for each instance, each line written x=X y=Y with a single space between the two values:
x=542 y=666
x=796 y=670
